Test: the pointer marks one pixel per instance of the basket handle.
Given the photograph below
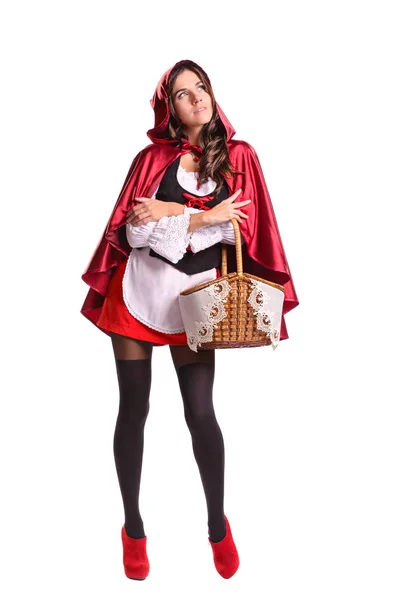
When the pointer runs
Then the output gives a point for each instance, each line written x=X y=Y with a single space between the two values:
x=238 y=246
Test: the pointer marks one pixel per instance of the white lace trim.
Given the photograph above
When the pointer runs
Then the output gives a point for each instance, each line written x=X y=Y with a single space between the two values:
x=259 y=299
x=205 y=237
x=212 y=234
x=214 y=313
x=175 y=238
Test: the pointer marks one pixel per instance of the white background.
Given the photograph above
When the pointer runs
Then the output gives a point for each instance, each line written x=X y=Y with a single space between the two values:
x=310 y=430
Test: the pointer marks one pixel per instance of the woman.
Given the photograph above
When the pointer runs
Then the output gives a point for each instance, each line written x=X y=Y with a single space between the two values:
x=164 y=235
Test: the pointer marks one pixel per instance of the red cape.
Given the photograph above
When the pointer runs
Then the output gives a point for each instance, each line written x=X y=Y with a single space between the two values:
x=263 y=252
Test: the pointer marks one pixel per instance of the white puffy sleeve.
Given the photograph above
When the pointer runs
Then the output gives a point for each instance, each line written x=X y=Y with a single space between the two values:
x=168 y=237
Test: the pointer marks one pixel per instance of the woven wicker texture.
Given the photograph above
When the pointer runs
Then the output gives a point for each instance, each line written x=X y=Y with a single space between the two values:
x=239 y=328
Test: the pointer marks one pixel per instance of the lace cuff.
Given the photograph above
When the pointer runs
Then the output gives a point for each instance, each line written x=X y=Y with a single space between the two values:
x=205 y=237
x=171 y=238
x=212 y=234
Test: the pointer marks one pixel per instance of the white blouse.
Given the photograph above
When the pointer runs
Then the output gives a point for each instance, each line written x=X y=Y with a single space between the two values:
x=150 y=286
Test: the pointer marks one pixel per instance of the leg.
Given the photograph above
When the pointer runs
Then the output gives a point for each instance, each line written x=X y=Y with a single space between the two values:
x=133 y=363
x=195 y=373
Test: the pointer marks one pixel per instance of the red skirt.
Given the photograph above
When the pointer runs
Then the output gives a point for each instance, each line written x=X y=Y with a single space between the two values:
x=116 y=317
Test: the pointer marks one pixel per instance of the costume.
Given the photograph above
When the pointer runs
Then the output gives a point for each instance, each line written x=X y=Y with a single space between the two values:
x=263 y=252
x=137 y=308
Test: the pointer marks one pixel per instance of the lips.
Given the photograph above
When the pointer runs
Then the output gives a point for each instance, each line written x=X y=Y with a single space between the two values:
x=201 y=109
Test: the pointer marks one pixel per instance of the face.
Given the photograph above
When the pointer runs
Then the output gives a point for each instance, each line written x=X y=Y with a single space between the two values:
x=188 y=95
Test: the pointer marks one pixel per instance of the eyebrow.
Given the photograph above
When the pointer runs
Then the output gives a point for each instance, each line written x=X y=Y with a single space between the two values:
x=183 y=89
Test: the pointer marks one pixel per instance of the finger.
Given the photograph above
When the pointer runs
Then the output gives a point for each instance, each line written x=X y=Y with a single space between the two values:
x=138 y=221
x=139 y=207
x=142 y=222
x=132 y=221
x=142 y=217
x=239 y=212
x=242 y=203
x=140 y=211
x=235 y=195
x=130 y=218
x=131 y=213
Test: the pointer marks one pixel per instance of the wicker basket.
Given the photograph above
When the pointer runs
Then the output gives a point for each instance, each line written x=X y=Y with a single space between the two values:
x=237 y=310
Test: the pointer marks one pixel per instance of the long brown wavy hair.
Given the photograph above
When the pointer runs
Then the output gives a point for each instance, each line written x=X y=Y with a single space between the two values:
x=214 y=161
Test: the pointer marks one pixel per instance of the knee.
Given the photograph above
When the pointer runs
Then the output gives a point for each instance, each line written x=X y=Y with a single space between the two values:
x=200 y=419
x=133 y=414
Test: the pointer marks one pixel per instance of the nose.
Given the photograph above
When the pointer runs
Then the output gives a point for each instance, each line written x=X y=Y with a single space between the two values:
x=196 y=97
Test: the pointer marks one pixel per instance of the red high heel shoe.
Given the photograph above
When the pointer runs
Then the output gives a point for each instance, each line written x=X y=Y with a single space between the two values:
x=226 y=558
x=136 y=562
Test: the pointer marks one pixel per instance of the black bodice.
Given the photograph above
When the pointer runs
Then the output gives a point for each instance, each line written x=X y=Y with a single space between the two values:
x=170 y=190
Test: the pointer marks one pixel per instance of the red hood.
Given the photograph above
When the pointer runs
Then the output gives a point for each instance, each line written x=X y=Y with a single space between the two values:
x=159 y=103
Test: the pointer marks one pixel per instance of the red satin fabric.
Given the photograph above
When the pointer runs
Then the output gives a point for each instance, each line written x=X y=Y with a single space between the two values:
x=263 y=252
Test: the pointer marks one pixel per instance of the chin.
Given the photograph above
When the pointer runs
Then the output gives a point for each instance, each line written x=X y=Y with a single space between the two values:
x=202 y=118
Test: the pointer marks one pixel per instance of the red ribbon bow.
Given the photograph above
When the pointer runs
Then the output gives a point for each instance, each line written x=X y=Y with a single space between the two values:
x=186 y=145
x=196 y=202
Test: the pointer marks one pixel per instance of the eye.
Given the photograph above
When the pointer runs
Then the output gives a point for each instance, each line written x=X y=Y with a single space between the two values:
x=200 y=86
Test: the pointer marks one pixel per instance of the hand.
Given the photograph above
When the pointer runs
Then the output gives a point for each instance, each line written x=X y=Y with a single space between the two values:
x=226 y=210
x=147 y=210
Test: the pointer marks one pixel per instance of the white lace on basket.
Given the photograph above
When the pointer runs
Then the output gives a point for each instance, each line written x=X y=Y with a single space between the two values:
x=258 y=299
x=214 y=313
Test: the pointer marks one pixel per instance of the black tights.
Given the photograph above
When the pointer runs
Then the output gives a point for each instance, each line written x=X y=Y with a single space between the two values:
x=195 y=373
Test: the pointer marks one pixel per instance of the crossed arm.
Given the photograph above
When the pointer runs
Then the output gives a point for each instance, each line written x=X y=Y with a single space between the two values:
x=170 y=236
